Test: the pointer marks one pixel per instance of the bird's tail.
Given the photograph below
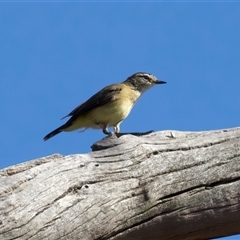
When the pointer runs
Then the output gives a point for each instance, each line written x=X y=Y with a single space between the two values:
x=53 y=133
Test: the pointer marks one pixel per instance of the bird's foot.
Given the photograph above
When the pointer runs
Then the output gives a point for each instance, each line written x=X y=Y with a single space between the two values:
x=138 y=134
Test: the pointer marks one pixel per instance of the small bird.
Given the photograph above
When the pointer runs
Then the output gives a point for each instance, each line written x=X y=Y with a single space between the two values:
x=108 y=107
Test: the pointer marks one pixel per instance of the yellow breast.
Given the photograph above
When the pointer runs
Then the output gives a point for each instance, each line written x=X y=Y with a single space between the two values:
x=109 y=114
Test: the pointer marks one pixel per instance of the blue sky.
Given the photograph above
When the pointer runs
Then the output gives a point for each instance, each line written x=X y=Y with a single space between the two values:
x=53 y=56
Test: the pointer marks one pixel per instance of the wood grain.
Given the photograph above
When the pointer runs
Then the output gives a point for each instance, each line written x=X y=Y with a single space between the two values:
x=165 y=185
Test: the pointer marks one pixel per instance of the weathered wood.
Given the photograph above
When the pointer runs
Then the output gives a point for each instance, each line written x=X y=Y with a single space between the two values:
x=159 y=186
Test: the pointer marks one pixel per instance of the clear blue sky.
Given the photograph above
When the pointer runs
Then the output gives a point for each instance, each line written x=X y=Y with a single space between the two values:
x=53 y=56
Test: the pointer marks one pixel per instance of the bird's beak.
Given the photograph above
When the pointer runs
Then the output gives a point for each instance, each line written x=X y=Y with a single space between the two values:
x=159 y=82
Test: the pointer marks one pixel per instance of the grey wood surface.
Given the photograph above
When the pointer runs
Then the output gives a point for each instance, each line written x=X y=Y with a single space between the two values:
x=165 y=185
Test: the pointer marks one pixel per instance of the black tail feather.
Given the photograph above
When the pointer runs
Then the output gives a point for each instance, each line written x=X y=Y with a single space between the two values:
x=53 y=133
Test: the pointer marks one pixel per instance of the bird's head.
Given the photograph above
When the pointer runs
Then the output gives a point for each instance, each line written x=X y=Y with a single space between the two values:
x=142 y=81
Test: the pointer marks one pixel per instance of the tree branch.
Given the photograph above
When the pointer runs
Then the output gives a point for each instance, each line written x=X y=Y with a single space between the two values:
x=165 y=185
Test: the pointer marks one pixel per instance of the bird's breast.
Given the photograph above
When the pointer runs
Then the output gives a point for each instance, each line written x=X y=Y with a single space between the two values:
x=108 y=114
x=113 y=112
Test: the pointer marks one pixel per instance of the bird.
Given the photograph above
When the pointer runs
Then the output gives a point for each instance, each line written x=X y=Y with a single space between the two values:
x=108 y=107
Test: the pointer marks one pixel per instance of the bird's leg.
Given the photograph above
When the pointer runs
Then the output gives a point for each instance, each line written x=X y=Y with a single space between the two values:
x=105 y=130
x=116 y=129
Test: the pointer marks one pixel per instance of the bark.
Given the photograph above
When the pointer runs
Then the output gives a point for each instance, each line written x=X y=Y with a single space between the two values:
x=165 y=185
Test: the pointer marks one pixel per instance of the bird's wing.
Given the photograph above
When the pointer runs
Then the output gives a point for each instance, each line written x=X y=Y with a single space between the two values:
x=102 y=97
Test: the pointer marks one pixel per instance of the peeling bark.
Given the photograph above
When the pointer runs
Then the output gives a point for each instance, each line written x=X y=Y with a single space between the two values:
x=165 y=185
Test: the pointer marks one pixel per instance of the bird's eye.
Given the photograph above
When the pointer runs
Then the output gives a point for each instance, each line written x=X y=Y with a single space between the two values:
x=147 y=77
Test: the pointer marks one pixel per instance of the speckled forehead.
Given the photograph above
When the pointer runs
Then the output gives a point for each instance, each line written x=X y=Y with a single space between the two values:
x=149 y=75
x=140 y=74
